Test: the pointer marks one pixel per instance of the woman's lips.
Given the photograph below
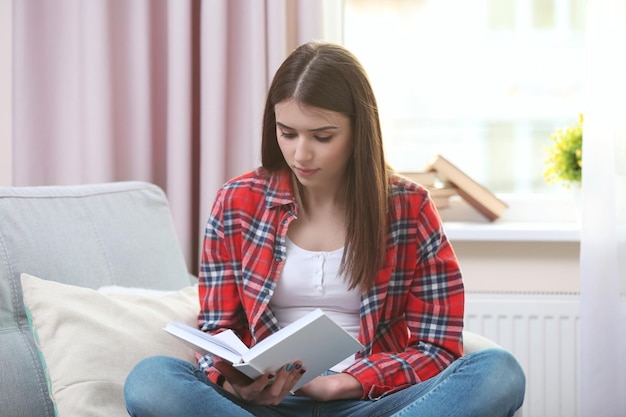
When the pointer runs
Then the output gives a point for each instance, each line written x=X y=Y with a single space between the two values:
x=305 y=172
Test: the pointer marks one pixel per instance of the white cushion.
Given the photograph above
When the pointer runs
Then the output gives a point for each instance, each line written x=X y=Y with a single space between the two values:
x=89 y=341
x=473 y=342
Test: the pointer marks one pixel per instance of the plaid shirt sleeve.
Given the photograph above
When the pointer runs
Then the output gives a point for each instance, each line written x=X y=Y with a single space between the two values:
x=240 y=260
x=219 y=304
x=412 y=321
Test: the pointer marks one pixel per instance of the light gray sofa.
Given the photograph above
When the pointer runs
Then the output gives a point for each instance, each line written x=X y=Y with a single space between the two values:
x=91 y=236
x=115 y=234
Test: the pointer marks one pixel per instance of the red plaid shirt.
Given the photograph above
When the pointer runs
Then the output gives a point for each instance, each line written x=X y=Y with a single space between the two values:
x=411 y=320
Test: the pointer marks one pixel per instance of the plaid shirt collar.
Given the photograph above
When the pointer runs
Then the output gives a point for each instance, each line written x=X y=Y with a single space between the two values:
x=279 y=190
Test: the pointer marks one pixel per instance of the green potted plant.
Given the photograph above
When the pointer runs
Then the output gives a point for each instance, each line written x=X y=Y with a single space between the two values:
x=564 y=161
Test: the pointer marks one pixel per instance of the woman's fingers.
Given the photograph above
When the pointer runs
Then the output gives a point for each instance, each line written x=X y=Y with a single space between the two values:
x=273 y=387
x=286 y=379
x=231 y=374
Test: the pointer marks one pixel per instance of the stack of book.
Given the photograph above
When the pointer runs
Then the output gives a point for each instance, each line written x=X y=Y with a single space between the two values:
x=443 y=179
x=440 y=191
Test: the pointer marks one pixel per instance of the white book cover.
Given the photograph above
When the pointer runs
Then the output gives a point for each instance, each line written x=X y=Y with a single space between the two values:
x=315 y=340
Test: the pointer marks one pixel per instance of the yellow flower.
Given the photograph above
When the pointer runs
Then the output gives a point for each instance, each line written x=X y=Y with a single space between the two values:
x=564 y=158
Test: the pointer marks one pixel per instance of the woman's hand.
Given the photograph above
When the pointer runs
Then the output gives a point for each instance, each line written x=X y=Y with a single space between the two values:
x=268 y=389
x=332 y=387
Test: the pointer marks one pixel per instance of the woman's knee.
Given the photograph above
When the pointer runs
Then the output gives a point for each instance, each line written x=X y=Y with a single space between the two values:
x=506 y=376
x=150 y=369
x=152 y=379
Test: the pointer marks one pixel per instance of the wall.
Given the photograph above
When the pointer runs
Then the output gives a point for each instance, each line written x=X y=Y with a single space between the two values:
x=533 y=248
x=519 y=267
x=5 y=91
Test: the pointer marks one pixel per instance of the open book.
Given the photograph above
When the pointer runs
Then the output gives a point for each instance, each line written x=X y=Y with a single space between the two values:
x=314 y=339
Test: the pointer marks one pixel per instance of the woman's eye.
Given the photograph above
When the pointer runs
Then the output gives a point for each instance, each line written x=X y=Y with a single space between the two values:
x=288 y=135
x=323 y=138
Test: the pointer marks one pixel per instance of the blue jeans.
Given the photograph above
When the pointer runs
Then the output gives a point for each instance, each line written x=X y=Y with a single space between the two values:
x=485 y=383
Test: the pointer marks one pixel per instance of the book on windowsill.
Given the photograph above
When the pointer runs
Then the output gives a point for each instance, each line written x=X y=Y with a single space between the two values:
x=441 y=195
x=428 y=179
x=314 y=339
x=440 y=191
x=476 y=195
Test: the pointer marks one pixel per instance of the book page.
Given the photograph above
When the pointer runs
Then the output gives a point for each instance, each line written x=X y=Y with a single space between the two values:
x=231 y=339
x=206 y=343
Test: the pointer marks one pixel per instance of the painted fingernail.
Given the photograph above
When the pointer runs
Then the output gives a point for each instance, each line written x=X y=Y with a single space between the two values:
x=302 y=371
x=271 y=376
x=298 y=366
x=288 y=367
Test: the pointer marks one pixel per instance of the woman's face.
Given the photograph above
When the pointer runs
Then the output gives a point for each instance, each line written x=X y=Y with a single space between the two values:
x=316 y=143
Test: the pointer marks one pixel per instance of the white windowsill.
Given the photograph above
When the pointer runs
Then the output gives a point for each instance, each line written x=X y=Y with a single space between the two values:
x=513 y=232
x=529 y=218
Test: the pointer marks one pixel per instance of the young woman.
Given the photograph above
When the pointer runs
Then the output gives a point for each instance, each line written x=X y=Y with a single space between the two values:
x=325 y=223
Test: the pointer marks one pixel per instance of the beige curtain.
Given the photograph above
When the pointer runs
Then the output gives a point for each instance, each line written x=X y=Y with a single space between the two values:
x=166 y=91
x=602 y=358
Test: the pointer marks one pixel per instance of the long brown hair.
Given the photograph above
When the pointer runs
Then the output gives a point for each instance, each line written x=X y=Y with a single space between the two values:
x=330 y=77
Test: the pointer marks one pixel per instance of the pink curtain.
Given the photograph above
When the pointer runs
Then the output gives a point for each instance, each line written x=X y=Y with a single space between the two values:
x=165 y=91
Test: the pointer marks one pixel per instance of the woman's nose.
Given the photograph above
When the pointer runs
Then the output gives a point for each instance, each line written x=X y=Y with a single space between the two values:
x=302 y=151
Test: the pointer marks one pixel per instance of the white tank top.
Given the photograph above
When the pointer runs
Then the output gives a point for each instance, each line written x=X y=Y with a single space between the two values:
x=310 y=280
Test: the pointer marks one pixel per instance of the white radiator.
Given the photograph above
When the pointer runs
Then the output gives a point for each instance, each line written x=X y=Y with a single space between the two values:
x=541 y=330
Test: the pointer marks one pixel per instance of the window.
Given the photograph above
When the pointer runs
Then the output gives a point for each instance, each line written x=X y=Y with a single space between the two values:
x=482 y=82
